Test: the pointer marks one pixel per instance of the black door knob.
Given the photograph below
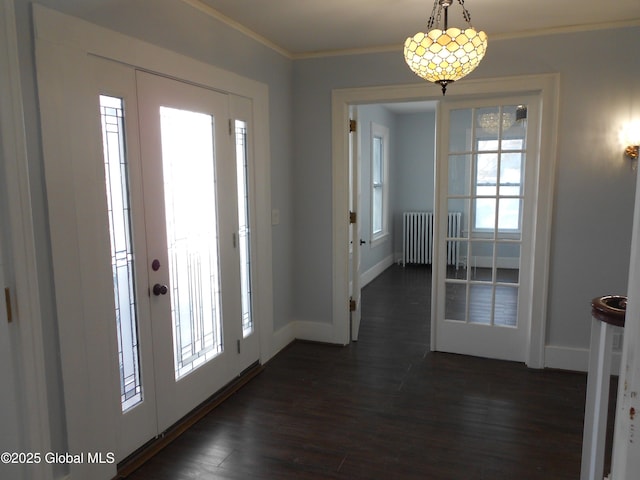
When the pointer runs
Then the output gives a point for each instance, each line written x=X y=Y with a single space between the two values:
x=159 y=289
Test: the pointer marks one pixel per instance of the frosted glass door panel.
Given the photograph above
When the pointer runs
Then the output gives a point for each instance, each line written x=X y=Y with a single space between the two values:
x=244 y=226
x=192 y=236
x=117 y=189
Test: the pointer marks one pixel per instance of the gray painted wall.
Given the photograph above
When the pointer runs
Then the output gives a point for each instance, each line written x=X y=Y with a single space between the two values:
x=414 y=174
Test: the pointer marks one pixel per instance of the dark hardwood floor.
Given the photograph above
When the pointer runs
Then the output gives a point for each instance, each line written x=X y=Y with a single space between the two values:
x=386 y=408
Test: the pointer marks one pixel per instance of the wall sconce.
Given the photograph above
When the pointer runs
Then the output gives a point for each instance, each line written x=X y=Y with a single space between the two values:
x=631 y=138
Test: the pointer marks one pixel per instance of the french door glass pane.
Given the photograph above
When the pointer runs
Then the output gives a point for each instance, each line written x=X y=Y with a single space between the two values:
x=188 y=163
x=481 y=261
x=509 y=214
x=490 y=123
x=460 y=128
x=459 y=173
x=511 y=168
x=460 y=252
x=244 y=244
x=506 y=306
x=118 y=205
x=456 y=301
x=480 y=304
x=508 y=262
x=487 y=172
x=485 y=212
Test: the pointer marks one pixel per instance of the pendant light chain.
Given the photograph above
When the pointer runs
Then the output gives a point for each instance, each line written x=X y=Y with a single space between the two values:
x=465 y=13
x=436 y=17
x=432 y=18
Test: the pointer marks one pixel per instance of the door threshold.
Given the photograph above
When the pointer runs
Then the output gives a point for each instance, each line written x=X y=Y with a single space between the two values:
x=154 y=446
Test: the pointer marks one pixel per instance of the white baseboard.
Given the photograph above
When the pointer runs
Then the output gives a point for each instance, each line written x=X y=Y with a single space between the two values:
x=315 y=331
x=559 y=357
x=281 y=338
x=373 y=272
x=302 y=330
x=575 y=359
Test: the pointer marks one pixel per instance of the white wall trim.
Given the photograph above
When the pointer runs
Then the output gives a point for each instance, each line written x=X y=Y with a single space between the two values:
x=213 y=13
x=370 y=275
x=575 y=359
x=304 y=330
x=283 y=337
x=23 y=252
x=314 y=331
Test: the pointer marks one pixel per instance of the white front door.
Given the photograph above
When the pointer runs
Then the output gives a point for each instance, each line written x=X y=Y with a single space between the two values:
x=191 y=217
x=486 y=171
x=175 y=184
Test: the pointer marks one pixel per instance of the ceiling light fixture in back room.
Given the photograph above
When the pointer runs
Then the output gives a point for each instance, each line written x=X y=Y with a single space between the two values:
x=444 y=55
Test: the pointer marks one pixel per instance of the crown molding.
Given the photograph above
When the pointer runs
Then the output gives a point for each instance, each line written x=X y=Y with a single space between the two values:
x=212 y=12
x=199 y=5
x=492 y=37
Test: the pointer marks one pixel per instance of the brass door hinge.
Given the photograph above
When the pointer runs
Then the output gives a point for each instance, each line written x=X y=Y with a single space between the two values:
x=353 y=217
x=353 y=125
x=7 y=299
x=352 y=305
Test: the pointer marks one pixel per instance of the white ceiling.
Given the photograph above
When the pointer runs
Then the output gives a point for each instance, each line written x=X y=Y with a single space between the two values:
x=304 y=27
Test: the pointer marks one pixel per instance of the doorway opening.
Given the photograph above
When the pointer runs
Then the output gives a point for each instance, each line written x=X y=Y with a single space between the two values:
x=392 y=158
x=545 y=89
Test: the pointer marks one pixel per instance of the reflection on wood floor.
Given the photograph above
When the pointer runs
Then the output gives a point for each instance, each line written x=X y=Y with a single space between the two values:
x=387 y=407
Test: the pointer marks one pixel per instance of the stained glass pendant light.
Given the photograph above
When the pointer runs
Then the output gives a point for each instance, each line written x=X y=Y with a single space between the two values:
x=444 y=55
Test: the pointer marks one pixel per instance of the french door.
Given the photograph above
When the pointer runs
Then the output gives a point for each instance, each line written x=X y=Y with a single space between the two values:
x=176 y=184
x=486 y=173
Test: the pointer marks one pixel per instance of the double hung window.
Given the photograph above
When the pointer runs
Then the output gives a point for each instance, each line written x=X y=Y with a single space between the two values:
x=379 y=181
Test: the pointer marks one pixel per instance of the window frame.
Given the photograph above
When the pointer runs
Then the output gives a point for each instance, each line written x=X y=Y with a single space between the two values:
x=382 y=184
